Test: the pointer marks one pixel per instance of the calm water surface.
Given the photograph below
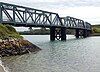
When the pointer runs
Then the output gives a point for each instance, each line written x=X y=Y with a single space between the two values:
x=73 y=55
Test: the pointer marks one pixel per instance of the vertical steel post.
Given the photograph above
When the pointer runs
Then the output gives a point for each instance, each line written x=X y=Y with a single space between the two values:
x=25 y=15
x=0 y=12
x=14 y=15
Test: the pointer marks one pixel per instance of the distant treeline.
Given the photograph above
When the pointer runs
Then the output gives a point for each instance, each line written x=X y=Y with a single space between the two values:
x=96 y=30
x=36 y=32
x=43 y=32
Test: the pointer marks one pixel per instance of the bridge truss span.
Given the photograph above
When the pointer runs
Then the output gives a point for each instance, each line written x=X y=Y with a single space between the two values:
x=24 y=16
x=29 y=17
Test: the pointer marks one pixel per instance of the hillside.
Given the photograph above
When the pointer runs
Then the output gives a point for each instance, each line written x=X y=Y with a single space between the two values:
x=96 y=30
x=7 y=31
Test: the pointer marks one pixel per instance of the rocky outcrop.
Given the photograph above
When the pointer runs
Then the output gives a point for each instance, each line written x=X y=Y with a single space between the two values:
x=16 y=47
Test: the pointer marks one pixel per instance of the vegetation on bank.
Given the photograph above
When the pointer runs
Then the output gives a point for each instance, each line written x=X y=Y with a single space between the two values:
x=96 y=30
x=7 y=31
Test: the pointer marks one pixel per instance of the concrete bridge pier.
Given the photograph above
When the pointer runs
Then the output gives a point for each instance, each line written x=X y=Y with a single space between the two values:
x=30 y=29
x=52 y=33
x=63 y=33
x=89 y=33
x=77 y=33
x=58 y=33
x=85 y=33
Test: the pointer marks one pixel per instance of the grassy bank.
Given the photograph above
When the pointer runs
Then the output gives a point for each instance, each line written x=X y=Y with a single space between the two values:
x=96 y=30
x=7 y=31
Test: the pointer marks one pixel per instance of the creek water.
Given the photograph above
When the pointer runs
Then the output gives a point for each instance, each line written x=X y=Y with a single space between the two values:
x=72 y=55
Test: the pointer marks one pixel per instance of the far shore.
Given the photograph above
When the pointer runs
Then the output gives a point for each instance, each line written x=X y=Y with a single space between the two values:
x=95 y=34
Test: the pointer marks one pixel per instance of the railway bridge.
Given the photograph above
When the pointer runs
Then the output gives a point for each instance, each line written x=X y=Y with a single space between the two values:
x=20 y=16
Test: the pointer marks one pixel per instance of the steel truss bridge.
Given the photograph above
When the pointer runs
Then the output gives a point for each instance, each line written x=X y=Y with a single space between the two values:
x=29 y=17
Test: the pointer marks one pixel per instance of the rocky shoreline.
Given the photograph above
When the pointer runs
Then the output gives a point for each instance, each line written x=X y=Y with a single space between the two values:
x=11 y=43
x=11 y=47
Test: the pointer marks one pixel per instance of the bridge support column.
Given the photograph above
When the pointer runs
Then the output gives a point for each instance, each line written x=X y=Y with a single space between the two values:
x=30 y=29
x=85 y=33
x=63 y=33
x=88 y=33
x=52 y=33
x=77 y=33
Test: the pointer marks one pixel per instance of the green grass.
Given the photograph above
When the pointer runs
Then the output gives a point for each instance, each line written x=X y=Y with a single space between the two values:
x=95 y=28
x=7 y=31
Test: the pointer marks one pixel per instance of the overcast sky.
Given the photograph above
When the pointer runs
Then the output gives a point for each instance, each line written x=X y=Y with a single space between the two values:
x=88 y=10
